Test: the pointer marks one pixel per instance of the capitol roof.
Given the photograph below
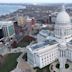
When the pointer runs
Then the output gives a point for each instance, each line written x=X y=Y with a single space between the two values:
x=63 y=17
x=42 y=44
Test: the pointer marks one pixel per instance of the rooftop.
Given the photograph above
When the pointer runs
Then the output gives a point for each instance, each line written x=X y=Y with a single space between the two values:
x=45 y=33
x=5 y=23
x=42 y=44
x=70 y=42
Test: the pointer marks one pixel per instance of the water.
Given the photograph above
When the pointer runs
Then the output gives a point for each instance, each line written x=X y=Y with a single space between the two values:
x=6 y=9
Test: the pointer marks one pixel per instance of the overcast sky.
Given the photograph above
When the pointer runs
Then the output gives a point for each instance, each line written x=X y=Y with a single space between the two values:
x=35 y=1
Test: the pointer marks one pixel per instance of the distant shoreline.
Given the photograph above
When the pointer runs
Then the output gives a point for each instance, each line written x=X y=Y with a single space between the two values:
x=31 y=9
x=9 y=8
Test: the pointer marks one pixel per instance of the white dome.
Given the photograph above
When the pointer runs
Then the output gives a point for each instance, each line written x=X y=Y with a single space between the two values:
x=63 y=17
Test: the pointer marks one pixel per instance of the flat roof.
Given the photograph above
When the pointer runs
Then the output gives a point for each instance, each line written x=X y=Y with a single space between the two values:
x=44 y=32
x=40 y=45
x=6 y=23
x=70 y=42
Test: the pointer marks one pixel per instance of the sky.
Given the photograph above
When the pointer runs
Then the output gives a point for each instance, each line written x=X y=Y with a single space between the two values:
x=35 y=1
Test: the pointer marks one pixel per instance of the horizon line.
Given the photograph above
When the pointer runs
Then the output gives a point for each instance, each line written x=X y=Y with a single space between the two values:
x=33 y=3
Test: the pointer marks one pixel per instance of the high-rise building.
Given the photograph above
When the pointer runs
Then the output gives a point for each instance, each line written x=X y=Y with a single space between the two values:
x=7 y=29
x=21 y=20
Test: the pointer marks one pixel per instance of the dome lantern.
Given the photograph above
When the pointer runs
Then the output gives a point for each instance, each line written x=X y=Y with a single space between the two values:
x=63 y=8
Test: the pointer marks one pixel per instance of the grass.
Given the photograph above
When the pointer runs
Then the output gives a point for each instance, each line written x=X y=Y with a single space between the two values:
x=10 y=62
x=45 y=69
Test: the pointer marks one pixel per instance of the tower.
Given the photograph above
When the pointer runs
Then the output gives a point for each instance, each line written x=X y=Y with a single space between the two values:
x=63 y=33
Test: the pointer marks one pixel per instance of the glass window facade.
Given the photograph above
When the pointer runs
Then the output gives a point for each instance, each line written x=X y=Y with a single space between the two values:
x=11 y=30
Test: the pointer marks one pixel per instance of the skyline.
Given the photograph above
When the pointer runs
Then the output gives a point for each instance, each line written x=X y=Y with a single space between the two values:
x=35 y=1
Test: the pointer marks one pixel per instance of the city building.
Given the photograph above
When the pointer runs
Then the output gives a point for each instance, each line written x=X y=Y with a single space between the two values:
x=44 y=35
x=22 y=27
x=6 y=29
x=56 y=46
x=7 y=35
x=21 y=20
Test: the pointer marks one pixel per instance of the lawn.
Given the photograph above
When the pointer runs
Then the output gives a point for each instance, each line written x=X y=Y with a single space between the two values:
x=10 y=62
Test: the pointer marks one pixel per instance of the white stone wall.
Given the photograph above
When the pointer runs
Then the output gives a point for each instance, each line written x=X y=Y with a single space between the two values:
x=48 y=57
x=69 y=54
x=30 y=58
x=42 y=57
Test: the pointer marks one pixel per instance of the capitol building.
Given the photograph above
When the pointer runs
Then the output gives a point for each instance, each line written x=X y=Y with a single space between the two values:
x=53 y=45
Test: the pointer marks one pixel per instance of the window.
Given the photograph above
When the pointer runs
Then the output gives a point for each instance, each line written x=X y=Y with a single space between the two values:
x=5 y=31
x=42 y=59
